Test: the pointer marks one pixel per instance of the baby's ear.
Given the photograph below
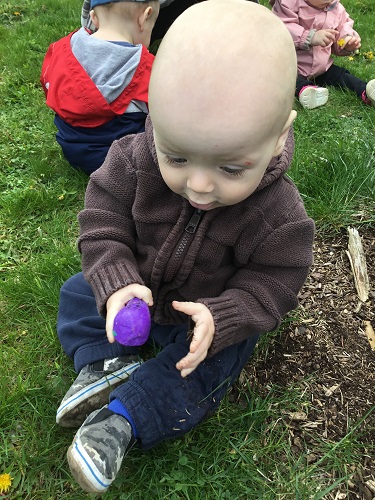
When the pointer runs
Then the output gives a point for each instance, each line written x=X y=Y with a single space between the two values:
x=146 y=14
x=94 y=19
x=284 y=134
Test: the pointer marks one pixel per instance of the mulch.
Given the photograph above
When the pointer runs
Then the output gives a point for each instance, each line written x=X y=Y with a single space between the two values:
x=327 y=351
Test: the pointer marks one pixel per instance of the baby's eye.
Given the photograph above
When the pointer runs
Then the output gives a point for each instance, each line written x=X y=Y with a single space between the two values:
x=233 y=171
x=174 y=160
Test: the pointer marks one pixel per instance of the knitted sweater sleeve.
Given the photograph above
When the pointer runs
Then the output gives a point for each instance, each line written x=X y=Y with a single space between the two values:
x=107 y=241
x=263 y=290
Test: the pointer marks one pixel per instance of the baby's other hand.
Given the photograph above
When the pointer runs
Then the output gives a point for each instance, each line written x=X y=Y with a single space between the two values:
x=352 y=44
x=203 y=335
x=119 y=299
x=324 y=37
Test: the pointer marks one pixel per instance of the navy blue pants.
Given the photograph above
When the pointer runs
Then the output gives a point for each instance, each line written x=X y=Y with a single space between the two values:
x=161 y=403
x=336 y=77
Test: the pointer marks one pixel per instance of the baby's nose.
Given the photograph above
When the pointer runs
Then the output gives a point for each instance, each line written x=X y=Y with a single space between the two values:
x=199 y=181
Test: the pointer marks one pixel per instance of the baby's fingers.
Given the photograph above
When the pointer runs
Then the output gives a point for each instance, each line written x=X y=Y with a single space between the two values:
x=190 y=362
x=186 y=371
x=189 y=308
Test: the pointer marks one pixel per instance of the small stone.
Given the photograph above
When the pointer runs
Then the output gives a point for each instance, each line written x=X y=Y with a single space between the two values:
x=311 y=458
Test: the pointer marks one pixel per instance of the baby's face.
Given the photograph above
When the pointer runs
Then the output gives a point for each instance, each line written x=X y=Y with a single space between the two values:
x=210 y=170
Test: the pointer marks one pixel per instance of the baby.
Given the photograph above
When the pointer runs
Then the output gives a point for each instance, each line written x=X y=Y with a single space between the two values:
x=196 y=217
x=320 y=28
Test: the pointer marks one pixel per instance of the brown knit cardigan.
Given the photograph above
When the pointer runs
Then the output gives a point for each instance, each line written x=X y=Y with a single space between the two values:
x=246 y=262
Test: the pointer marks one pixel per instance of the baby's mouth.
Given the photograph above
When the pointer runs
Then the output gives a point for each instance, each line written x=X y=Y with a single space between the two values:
x=202 y=206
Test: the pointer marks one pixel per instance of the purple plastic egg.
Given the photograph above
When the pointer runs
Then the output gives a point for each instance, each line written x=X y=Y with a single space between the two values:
x=132 y=323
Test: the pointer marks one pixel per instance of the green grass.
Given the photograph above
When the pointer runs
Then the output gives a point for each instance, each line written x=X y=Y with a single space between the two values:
x=334 y=162
x=241 y=452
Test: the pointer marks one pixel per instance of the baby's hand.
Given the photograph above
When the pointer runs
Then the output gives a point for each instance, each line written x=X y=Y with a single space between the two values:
x=202 y=336
x=118 y=300
x=352 y=44
x=324 y=37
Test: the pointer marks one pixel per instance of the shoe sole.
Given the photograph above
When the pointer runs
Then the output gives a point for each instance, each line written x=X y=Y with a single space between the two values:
x=83 y=471
x=370 y=91
x=73 y=412
x=312 y=98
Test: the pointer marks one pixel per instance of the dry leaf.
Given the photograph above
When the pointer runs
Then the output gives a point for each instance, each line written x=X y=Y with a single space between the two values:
x=311 y=425
x=297 y=415
x=331 y=390
x=370 y=485
x=370 y=334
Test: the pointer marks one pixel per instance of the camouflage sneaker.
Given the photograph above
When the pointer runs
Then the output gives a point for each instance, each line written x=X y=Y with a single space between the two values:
x=98 y=449
x=91 y=388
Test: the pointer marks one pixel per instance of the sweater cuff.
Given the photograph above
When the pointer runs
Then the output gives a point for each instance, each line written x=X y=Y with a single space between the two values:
x=226 y=319
x=108 y=280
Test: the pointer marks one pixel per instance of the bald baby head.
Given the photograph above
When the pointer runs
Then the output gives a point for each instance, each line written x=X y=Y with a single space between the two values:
x=227 y=61
x=220 y=99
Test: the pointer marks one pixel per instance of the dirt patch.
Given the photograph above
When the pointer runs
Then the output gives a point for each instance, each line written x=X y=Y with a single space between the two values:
x=327 y=346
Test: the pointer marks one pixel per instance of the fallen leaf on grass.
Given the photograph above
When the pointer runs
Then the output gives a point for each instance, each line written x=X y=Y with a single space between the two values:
x=311 y=425
x=297 y=415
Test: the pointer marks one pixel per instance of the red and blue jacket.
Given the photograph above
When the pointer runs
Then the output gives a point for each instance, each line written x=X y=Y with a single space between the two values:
x=87 y=122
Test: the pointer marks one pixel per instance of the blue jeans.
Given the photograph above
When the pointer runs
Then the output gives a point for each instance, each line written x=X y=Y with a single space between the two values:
x=161 y=403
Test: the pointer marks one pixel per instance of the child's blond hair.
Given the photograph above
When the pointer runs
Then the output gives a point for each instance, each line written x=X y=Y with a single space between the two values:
x=124 y=9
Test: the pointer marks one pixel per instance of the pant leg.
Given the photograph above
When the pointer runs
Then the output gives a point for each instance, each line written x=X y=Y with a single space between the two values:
x=341 y=77
x=80 y=328
x=164 y=405
x=302 y=81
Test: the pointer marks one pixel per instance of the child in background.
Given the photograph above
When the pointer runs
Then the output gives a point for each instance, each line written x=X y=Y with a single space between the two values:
x=320 y=28
x=196 y=217
x=165 y=19
x=86 y=21
x=98 y=84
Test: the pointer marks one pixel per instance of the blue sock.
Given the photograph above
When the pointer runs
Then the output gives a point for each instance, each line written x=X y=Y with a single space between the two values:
x=120 y=409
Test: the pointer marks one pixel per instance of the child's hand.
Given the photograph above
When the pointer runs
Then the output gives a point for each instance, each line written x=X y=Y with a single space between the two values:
x=202 y=336
x=324 y=37
x=352 y=44
x=118 y=299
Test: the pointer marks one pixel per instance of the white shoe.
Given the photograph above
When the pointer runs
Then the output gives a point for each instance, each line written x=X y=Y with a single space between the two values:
x=370 y=91
x=312 y=97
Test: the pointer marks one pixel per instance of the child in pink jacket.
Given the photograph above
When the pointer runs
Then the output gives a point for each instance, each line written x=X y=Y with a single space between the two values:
x=320 y=28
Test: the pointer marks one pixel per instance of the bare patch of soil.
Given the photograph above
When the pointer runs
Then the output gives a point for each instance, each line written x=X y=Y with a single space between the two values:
x=327 y=346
